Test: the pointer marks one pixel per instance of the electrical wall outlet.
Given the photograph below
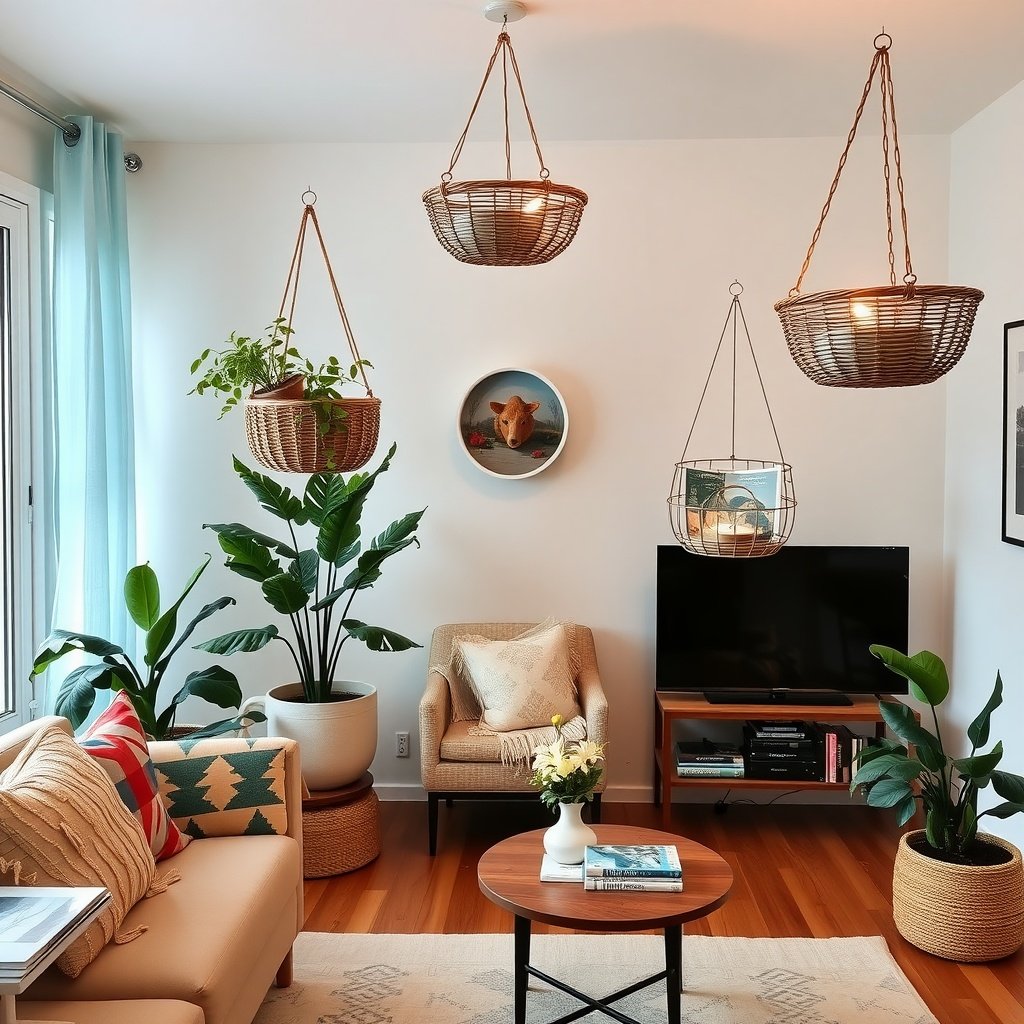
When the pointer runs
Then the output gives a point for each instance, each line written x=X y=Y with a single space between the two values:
x=401 y=744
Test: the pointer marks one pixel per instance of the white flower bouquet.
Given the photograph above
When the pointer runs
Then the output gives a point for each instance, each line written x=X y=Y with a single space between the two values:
x=566 y=773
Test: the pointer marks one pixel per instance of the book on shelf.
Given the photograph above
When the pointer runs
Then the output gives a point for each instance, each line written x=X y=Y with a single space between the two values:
x=552 y=871
x=34 y=920
x=632 y=863
x=638 y=884
x=839 y=750
x=787 y=732
x=710 y=771
x=707 y=752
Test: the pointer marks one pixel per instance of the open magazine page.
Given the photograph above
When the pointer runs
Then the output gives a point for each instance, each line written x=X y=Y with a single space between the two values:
x=32 y=918
x=740 y=500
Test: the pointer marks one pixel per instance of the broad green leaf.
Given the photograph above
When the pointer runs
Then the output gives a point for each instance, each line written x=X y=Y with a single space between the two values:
x=367 y=570
x=77 y=692
x=361 y=483
x=905 y=810
x=1004 y=810
x=889 y=765
x=399 y=530
x=248 y=557
x=879 y=747
x=228 y=725
x=206 y=611
x=925 y=671
x=888 y=793
x=275 y=499
x=142 y=596
x=339 y=528
x=977 y=731
x=377 y=638
x=214 y=684
x=934 y=827
x=980 y=766
x=1009 y=787
x=240 y=532
x=306 y=569
x=61 y=642
x=240 y=640
x=158 y=639
x=968 y=826
x=900 y=719
x=328 y=600
x=347 y=554
x=285 y=594
x=324 y=492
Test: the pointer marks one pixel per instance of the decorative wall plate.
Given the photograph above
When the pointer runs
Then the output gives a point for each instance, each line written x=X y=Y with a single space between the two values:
x=513 y=423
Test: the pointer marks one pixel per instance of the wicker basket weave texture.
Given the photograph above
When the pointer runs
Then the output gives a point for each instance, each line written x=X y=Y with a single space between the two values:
x=504 y=223
x=285 y=435
x=969 y=914
x=879 y=337
x=342 y=838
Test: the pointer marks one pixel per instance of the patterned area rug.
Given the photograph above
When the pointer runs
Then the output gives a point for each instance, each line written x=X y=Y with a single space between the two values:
x=467 y=979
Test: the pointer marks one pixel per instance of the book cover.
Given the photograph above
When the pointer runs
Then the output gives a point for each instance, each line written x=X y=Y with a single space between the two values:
x=631 y=862
x=633 y=884
x=33 y=920
x=710 y=771
x=706 y=752
x=552 y=871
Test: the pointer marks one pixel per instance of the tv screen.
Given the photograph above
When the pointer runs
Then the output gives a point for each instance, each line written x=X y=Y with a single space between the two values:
x=799 y=620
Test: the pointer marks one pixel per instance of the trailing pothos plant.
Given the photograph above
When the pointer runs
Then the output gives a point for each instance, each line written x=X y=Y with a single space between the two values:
x=946 y=786
x=313 y=585
x=115 y=669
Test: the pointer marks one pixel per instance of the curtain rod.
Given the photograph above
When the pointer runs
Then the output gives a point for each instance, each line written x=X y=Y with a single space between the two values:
x=72 y=133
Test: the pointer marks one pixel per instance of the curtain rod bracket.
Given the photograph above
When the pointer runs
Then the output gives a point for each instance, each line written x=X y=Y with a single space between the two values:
x=132 y=162
x=72 y=134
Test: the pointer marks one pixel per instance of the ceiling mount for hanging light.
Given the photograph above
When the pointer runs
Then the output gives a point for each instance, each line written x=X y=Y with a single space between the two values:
x=504 y=222
x=894 y=335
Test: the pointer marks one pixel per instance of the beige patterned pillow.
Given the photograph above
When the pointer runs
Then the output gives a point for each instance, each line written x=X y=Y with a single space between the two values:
x=61 y=817
x=521 y=683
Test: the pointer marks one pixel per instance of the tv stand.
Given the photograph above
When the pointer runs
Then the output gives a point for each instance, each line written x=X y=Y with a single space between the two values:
x=816 y=698
x=672 y=706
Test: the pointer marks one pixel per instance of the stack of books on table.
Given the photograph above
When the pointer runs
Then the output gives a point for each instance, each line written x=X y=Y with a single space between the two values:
x=704 y=759
x=784 y=750
x=35 y=921
x=643 y=868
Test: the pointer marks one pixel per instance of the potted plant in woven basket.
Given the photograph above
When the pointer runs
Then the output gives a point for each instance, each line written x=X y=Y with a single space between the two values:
x=957 y=892
x=314 y=585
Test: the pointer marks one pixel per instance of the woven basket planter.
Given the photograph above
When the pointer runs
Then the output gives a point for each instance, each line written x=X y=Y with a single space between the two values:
x=879 y=337
x=285 y=435
x=504 y=223
x=963 y=913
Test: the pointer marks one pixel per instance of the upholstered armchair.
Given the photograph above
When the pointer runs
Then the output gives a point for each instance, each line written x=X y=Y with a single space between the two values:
x=455 y=763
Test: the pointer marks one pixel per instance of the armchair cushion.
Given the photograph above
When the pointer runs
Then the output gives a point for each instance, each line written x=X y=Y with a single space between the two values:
x=116 y=742
x=223 y=787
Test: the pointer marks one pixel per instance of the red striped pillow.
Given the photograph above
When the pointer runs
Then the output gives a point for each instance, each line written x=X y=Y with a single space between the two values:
x=117 y=742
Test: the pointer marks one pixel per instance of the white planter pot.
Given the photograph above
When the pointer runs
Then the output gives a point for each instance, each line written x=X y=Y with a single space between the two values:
x=337 y=740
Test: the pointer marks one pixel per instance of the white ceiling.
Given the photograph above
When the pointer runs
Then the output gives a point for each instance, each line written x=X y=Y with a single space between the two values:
x=407 y=70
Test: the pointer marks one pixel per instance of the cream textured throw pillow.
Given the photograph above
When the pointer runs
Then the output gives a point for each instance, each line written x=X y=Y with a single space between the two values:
x=61 y=817
x=520 y=683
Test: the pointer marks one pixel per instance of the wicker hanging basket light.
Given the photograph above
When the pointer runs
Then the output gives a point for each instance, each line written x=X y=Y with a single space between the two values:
x=894 y=335
x=504 y=222
x=732 y=507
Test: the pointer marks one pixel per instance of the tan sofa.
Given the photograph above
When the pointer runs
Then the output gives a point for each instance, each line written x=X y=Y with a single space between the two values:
x=215 y=941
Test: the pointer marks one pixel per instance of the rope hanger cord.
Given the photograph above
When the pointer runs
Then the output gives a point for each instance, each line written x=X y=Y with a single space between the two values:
x=504 y=47
x=879 y=61
x=291 y=288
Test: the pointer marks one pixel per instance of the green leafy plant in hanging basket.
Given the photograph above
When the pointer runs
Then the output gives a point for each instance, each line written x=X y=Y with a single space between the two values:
x=115 y=669
x=947 y=787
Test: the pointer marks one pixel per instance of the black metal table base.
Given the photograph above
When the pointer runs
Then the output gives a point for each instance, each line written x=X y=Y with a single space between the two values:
x=672 y=976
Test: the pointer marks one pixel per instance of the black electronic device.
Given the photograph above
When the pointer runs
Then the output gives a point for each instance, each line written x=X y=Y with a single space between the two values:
x=793 y=627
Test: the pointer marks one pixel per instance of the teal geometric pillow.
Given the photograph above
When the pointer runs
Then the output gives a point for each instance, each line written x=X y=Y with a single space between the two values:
x=223 y=787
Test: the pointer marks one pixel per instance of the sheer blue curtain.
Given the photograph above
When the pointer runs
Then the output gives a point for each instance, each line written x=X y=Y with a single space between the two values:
x=93 y=450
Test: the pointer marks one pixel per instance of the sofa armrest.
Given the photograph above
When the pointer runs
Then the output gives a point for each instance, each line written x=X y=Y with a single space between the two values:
x=435 y=716
x=593 y=703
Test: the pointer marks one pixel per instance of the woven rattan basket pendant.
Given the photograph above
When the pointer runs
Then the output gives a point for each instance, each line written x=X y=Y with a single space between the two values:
x=890 y=336
x=504 y=222
x=292 y=434
x=736 y=508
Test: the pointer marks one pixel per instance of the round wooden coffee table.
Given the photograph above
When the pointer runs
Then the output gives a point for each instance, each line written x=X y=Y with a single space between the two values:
x=509 y=875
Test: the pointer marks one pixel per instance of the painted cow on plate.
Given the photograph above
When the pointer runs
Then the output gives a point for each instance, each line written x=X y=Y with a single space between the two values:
x=513 y=420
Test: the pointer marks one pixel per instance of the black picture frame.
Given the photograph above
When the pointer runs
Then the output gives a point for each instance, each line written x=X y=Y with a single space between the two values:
x=1013 y=432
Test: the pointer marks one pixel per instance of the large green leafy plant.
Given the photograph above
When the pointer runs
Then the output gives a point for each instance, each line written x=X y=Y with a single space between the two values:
x=314 y=586
x=946 y=786
x=115 y=670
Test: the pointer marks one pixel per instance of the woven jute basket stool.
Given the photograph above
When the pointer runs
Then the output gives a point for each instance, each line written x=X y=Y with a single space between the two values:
x=340 y=829
x=956 y=911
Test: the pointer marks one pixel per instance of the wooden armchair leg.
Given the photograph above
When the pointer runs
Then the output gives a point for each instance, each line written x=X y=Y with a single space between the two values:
x=284 y=972
x=432 y=799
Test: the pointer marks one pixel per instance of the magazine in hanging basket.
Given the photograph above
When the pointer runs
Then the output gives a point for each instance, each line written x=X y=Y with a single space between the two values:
x=308 y=436
x=879 y=337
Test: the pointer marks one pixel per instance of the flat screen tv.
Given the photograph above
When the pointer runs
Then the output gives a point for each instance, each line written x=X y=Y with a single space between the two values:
x=795 y=626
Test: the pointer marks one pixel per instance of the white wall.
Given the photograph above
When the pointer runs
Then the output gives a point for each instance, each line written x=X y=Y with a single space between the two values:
x=624 y=323
x=986 y=233
x=26 y=145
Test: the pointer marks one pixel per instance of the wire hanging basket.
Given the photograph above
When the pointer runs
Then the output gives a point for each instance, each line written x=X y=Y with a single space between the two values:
x=732 y=507
x=894 y=335
x=290 y=433
x=504 y=222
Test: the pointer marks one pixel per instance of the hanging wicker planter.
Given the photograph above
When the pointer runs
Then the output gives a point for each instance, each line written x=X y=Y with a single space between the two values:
x=732 y=507
x=290 y=433
x=504 y=222
x=894 y=335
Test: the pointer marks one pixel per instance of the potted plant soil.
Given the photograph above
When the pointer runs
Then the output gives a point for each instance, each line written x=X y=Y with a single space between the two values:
x=313 y=585
x=957 y=892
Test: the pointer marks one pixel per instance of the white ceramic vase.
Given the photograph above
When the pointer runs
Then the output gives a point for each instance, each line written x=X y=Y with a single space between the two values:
x=566 y=840
x=337 y=740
